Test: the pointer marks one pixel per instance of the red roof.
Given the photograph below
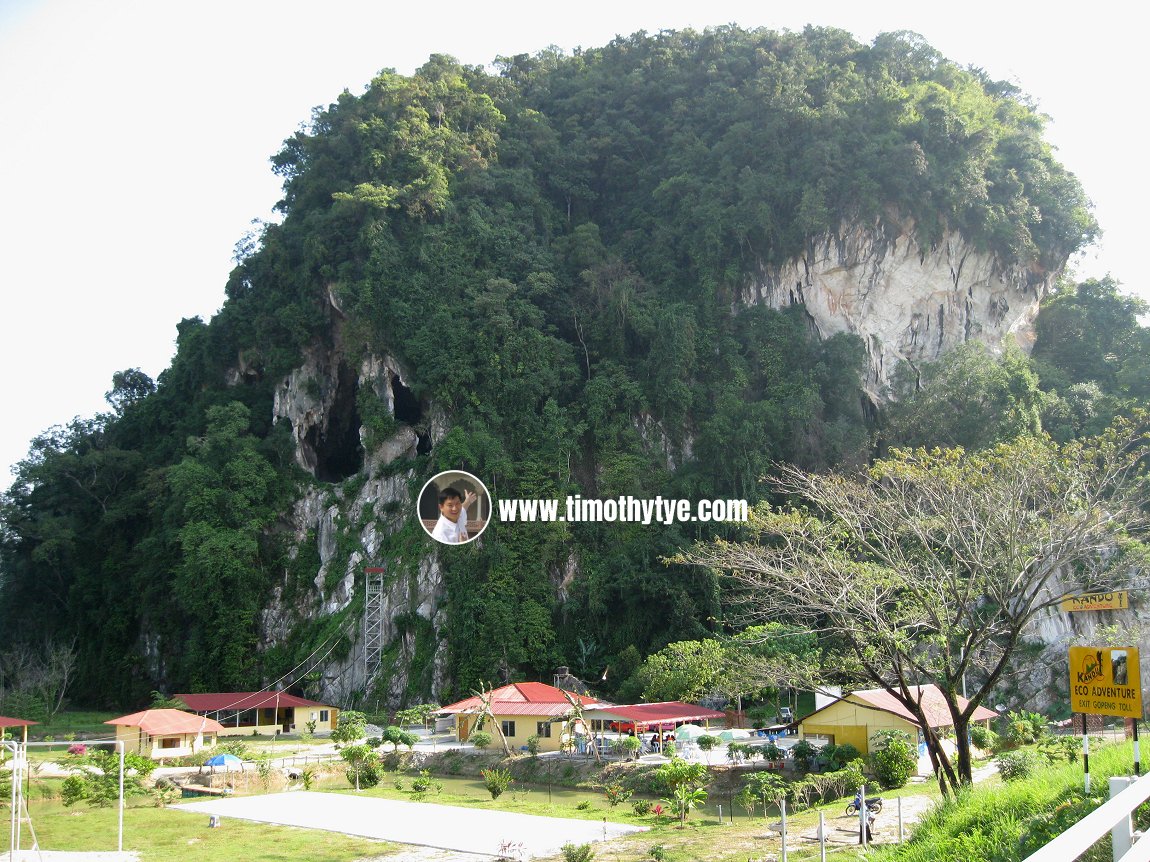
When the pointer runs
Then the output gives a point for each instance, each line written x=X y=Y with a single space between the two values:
x=523 y=698
x=220 y=701
x=161 y=722
x=935 y=708
x=14 y=722
x=662 y=713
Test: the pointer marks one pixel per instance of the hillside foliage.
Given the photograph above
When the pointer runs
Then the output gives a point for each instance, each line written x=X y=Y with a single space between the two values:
x=552 y=250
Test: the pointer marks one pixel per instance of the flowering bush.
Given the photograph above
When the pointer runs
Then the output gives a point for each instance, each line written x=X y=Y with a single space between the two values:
x=78 y=749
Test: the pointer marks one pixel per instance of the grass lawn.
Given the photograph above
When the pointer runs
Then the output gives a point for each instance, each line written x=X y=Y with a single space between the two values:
x=80 y=722
x=161 y=835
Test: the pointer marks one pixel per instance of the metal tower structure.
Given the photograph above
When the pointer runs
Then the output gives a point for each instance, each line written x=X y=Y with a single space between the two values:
x=372 y=623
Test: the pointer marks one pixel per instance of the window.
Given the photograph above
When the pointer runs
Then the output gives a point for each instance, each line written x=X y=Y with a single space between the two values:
x=543 y=730
x=508 y=728
x=171 y=742
x=323 y=715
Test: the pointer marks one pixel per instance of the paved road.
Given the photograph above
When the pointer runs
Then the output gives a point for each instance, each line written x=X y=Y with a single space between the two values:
x=448 y=827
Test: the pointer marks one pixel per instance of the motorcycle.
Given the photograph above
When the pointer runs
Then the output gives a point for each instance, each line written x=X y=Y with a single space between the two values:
x=873 y=805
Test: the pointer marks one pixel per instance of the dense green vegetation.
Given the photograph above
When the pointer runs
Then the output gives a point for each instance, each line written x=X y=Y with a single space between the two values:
x=1008 y=822
x=552 y=253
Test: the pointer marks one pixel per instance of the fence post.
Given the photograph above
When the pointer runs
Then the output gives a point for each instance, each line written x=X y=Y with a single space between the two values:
x=822 y=838
x=899 y=819
x=862 y=815
x=783 y=812
x=1122 y=835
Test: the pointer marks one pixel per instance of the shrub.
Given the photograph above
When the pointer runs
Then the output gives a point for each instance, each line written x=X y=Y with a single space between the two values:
x=577 y=852
x=584 y=805
x=615 y=794
x=893 y=758
x=641 y=807
x=496 y=781
x=679 y=773
x=1017 y=765
x=397 y=736
x=1056 y=748
x=1024 y=728
x=765 y=787
x=803 y=753
x=533 y=745
x=364 y=776
x=234 y=746
x=841 y=755
x=983 y=737
x=78 y=749
x=480 y=739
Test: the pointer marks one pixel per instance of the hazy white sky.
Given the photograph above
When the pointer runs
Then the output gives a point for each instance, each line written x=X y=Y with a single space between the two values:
x=136 y=134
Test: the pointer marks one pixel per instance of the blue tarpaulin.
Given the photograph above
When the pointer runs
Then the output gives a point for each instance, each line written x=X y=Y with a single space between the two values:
x=224 y=760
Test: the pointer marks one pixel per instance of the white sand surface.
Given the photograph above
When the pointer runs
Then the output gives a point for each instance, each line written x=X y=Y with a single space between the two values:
x=448 y=827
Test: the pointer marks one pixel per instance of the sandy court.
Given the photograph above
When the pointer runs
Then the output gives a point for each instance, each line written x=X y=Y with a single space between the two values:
x=448 y=827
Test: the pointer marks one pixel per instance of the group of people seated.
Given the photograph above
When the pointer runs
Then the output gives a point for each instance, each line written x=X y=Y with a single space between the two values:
x=658 y=742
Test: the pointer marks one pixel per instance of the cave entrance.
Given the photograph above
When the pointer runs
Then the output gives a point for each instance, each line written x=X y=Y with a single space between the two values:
x=338 y=453
x=406 y=405
x=406 y=409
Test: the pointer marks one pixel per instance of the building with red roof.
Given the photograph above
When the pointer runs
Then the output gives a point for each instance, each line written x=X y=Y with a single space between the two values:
x=856 y=717
x=264 y=712
x=523 y=710
x=163 y=733
x=7 y=723
x=666 y=715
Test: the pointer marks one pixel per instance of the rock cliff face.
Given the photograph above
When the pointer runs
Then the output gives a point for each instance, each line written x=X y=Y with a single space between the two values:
x=905 y=301
x=344 y=525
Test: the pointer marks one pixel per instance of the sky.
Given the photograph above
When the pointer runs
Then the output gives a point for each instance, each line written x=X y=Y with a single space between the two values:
x=135 y=139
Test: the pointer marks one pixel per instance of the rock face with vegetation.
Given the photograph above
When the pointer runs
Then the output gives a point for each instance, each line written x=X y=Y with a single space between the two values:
x=653 y=268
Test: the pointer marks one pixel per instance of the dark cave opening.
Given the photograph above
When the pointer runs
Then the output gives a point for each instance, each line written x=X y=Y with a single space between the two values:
x=338 y=453
x=406 y=405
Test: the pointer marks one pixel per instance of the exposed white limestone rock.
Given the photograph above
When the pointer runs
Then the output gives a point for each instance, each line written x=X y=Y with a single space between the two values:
x=904 y=301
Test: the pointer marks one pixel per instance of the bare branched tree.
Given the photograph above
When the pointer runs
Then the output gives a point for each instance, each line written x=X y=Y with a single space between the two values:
x=486 y=713
x=931 y=565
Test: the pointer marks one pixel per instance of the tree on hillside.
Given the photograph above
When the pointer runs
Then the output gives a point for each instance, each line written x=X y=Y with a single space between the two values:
x=931 y=565
x=967 y=398
x=687 y=670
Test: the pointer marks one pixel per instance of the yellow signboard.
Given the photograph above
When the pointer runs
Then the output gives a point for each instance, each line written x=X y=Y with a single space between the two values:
x=1117 y=601
x=1106 y=681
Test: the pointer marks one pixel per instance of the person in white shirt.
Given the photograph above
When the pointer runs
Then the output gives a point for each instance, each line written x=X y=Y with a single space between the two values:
x=451 y=528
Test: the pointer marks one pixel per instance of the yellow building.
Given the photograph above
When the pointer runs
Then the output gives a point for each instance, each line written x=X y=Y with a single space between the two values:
x=262 y=712
x=522 y=710
x=163 y=733
x=857 y=716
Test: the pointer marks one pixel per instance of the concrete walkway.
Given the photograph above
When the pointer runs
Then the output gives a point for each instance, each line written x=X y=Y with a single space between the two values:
x=469 y=830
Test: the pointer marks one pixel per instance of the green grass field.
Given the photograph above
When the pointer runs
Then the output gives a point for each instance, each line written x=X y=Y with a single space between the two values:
x=160 y=835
